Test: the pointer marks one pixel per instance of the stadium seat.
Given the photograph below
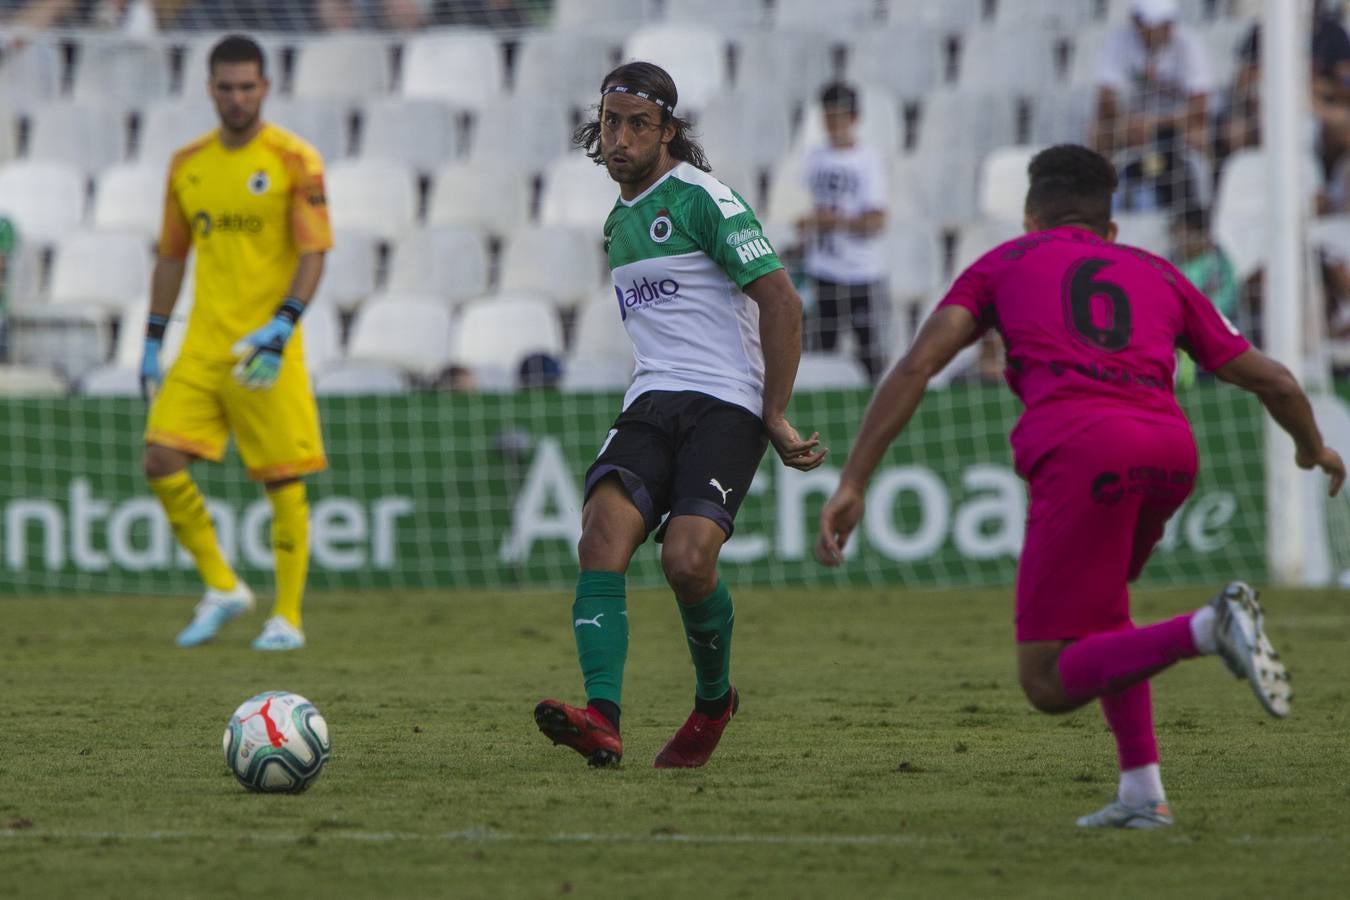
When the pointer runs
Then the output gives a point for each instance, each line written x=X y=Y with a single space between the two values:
x=346 y=67
x=565 y=66
x=130 y=343
x=940 y=189
x=522 y=131
x=30 y=381
x=99 y=268
x=321 y=122
x=493 y=198
x=906 y=61
x=913 y=260
x=45 y=198
x=422 y=134
x=576 y=191
x=194 y=72
x=752 y=128
x=129 y=197
x=24 y=272
x=349 y=270
x=414 y=336
x=964 y=123
x=119 y=73
x=462 y=67
x=788 y=62
x=1004 y=182
x=1190 y=10
x=1148 y=231
x=376 y=196
x=1050 y=13
x=1062 y=115
x=1085 y=55
x=949 y=15
x=729 y=17
x=321 y=331
x=168 y=126
x=68 y=339
x=30 y=73
x=583 y=375
x=1241 y=214
x=561 y=263
x=787 y=202
x=1008 y=61
x=9 y=132
x=570 y=13
x=600 y=334
x=449 y=261
x=357 y=378
x=694 y=55
x=1221 y=39
x=978 y=238
x=835 y=17
x=500 y=330
x=829 y=372
x=110 y=381
x=879 y=124
x=88 y=136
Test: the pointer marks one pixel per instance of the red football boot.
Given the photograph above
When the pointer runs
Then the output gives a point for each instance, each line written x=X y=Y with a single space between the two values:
x=697 y=738
x=583 y=729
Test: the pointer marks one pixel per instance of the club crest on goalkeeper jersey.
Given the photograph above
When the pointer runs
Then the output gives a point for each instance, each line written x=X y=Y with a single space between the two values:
x=680 y=253
x=249 y=213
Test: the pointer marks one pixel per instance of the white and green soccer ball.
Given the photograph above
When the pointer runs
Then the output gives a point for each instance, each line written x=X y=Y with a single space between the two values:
x=276 y=742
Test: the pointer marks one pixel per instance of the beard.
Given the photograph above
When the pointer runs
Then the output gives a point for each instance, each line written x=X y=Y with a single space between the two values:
x=634 y=169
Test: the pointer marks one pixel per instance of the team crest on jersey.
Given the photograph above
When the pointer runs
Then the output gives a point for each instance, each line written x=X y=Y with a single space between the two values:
x=662 y=227
x=258 y=182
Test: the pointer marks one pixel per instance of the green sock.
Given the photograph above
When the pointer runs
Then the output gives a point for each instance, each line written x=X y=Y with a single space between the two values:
x=707 y=628
x=600 y=625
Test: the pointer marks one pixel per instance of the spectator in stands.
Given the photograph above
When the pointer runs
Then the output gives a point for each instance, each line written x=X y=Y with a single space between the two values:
x=842 y=232
x=1206 y=266
x=9 y=240
x=539 y=371
x=243 y=15
x=1153 y=83
x=400 y=15
x=455 y=377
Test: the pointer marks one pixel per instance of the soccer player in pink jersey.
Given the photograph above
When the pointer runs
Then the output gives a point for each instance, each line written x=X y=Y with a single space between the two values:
x=1091 y=329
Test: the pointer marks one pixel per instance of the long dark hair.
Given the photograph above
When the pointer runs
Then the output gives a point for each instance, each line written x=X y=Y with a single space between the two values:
x=654 y=80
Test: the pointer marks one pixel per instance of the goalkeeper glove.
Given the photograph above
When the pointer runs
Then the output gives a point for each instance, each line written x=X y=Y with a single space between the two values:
x=260 y=352
x=151 y=374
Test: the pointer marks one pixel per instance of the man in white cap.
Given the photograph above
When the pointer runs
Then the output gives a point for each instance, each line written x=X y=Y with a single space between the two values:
x=1153 y=83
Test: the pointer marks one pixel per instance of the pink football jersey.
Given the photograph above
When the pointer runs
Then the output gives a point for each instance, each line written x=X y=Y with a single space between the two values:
x=1091 y=329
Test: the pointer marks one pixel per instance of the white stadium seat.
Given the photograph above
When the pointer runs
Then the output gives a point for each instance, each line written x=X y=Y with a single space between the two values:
x=349 y=270
x=414 y=336
x=1147 y=230
x=526 y=132
x=30 y=381
x=120 y=73
x=342 y=68
x=376 y=196
x=462 y=67
x=321 y=332
x=719 y=13
x=30 y=74
x=913 y=260
x=583 y=375
x=448 y=261
x=949 y=15
x=1240 y=222
x=978 y=238
x=789 y=199
x=67 y=339
x=1008 y=61
x=131 y=336
x=321 y=122
x=829 y=372
x=568 y=13
x=694 y=55
x=106 y=269
x=501 y=330
x=45 y=198
x=356 y=378
x=1086 y=56
x=1004 y=182
x=836 y=16
x=110 y=381
x=907 y=61
x=493 y=198
x=792 y=63
x=559 y=262
x=1054 y=13
x=577 y=192
x=565 y=66
x=600 y=334
x=750 y=128
x=88 y=136
x=423 y=134
x=170 y=125
x=1062 y=115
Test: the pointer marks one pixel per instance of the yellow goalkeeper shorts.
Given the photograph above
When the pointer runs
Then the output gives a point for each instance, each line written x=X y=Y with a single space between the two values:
x=277 y=429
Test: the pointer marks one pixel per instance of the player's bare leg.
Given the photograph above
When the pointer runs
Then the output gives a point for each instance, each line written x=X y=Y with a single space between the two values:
x=611 y=530
x=689 y=560
x=226 y=596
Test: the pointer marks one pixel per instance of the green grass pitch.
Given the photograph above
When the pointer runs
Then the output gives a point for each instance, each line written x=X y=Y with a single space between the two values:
x=883 y=749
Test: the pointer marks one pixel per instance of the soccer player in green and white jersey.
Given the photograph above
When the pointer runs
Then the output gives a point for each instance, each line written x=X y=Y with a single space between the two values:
x=716 y=330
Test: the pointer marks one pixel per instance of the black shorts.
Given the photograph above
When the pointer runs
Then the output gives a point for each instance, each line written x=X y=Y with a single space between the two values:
x=683 y=453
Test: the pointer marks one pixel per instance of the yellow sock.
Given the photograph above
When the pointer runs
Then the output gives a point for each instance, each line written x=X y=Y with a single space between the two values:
x=290 y=546
x=186 y=509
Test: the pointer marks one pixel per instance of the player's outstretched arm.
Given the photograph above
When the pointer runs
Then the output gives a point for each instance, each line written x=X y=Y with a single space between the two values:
x=165 y=283
x=780 y=335
x=1279 y=392
x=892 y=406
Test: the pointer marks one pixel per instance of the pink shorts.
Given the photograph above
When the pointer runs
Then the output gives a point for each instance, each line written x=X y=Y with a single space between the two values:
x=1099 y=503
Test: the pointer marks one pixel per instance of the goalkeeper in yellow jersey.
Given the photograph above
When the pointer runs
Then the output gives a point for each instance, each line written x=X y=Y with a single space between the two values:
x=249 y=198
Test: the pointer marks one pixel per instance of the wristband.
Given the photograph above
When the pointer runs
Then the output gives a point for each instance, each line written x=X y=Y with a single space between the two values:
x=155 y=325
x=290 y=309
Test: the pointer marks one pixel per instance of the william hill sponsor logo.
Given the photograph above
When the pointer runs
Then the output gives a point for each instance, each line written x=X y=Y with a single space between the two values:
x=645 y=293
x=753 y=250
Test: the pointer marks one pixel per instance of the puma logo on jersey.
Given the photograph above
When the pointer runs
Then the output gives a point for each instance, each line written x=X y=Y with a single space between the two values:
x=721 y=490
x=753 y=250
x=596 y=621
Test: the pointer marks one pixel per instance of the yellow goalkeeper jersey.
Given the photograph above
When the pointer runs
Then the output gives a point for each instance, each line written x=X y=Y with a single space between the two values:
x=250 y=213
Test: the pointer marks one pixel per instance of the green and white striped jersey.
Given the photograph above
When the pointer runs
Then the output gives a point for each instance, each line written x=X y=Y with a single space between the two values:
x=680 y=254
